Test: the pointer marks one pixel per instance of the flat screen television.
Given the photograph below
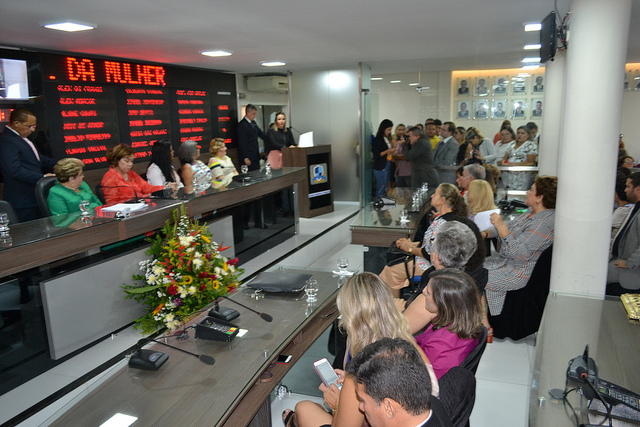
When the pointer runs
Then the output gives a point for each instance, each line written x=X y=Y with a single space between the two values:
x=548 y=38
x=14 y=83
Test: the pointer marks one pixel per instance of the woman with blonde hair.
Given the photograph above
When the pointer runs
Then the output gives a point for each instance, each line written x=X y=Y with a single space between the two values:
x=448 y=203
x=65 y=196
x=480 y=197
x=368 y=314
x=222 y=167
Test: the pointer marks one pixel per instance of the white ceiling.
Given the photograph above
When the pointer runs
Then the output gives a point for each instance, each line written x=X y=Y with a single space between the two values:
x=393 y=36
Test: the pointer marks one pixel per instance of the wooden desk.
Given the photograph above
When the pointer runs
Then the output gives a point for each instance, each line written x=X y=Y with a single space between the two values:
x=39 y=242
x=187 y=392
x=568 y=324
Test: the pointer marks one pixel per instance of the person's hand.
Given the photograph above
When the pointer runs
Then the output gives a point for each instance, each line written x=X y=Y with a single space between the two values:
x=50 y=174
x=478 y=155
x=331 y=395
x=247 y=162
x=400 y=303
x=620 y=263
x=496 y=219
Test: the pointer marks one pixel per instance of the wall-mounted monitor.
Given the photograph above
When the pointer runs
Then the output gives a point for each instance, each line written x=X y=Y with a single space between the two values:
x=548 y=38
x=14 y=83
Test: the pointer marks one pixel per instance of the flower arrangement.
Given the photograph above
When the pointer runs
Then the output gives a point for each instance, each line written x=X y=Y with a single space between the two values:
x=186 y=272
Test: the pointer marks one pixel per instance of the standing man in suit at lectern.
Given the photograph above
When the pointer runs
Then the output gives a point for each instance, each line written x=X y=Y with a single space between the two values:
x=249 y=154
x=22 y=165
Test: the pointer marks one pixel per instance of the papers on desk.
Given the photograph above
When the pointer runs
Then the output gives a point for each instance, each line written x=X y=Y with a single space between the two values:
x=482 y=219
x=120 y=207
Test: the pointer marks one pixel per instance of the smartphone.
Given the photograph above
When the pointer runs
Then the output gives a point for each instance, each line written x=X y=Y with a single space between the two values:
x=326 y=372
x=283 y=359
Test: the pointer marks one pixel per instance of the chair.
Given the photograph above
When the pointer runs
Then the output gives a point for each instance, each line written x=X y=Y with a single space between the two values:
x=100 y=194
x=5 y=207
x=43 y=186
x=523 y=308
x=472 y=360
x=458 y=394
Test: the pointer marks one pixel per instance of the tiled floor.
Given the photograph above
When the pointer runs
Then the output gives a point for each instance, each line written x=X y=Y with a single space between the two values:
x=503 y=374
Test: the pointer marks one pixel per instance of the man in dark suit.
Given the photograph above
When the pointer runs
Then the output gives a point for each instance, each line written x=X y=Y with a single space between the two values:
x=624 y=265
x=248 y=132
x=447 y=149
x=21 y=164
x=420 y=154
x=394 y=387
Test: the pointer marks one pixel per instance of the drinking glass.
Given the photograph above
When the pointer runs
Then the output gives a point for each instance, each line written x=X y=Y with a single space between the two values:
x=84 y=207
x=311 y=289
x=404 y=215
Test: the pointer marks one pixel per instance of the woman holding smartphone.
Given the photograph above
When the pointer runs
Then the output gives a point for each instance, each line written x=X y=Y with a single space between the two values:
x=368 y=314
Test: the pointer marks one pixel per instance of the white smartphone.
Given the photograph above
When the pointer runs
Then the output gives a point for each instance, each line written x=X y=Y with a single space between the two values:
x=326 y=372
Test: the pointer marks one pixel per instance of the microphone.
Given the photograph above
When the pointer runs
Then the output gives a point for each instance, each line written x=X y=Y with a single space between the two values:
x=265 y=316
x=152 y=360
x=135 y=193
x=593 y=392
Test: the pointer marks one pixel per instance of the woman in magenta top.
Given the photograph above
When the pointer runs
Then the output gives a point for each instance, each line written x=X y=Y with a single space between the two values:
x=452 y=298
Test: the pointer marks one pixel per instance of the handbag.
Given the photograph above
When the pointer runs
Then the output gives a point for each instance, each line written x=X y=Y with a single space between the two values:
x=395 y=255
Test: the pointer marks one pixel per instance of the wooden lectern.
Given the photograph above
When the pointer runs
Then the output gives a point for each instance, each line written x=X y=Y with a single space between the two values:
x=315 y=194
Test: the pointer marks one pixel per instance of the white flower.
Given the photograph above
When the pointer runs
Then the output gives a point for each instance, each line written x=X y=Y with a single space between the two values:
x=152 y=279
x=169 y=317
x=185 y=240
x=192 y=290
x=166 y=280
x=218 y=271
x=159 y=294
x=182 y=291
x=173 y=324
x=189 y=250
x=157 y=270
x=197 y=263
x=197 y=254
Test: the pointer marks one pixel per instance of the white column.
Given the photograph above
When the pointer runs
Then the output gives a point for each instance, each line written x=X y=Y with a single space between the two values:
x=551 y=128
x=599 y=32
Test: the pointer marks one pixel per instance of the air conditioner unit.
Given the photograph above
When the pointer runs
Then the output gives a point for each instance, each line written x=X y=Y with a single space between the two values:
x=268 y=84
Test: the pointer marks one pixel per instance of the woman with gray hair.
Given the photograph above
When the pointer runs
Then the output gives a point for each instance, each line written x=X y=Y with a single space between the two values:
x=195 y=174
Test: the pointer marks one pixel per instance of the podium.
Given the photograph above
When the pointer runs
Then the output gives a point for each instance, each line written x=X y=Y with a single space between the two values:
x=315 y=194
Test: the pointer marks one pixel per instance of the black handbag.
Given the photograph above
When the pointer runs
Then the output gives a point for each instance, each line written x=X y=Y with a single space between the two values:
x=395 y=255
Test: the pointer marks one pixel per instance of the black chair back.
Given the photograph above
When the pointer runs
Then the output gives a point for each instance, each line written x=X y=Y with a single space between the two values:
x=522 y=311
x=472 y=360
x=458 y=394
x=100 y=194
x=43 y=186
x=5 y=207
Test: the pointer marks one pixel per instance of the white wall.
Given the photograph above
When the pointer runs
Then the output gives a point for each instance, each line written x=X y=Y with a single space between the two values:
x=256 y=98
x=630 y=125
x=327 y=103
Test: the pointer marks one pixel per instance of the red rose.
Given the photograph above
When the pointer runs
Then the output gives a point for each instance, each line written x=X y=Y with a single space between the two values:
x=172 y=290
x=233 y=261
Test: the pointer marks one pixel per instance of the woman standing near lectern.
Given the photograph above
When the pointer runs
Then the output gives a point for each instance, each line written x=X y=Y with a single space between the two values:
x=278 y=137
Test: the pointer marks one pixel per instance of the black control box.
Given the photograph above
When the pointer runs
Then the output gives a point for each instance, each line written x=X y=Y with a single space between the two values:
x=214 y=329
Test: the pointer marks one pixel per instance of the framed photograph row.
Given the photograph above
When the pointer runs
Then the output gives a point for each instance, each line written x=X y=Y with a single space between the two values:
x=500 y=109
x=632 y=80
x=500 y=85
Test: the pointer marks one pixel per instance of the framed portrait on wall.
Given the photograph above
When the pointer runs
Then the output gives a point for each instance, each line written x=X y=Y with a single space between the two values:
x=536 y=110
x=500 y=84
x=481 y=86
x=635 y=82
x=498 y=110
x=481 y=109
x=626 y=79
x=519 y=85
x=519 y=109
x=538 y=86
x=463 y=110
x=463 y=86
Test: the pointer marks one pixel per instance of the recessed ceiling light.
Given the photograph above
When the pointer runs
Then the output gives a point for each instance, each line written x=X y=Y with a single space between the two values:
x=216 y=53
x=69 y=26
x=530 y=67
x=535 y=26
x=395 y=81
x=414 y=84
x=531 y=60
x=532 y=46
x=376 y=78
x=272 y=63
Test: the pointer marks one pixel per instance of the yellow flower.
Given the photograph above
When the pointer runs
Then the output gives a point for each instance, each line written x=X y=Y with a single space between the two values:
x=206 y=239
x=215 y=284
x=225 y=266
x=187 y=280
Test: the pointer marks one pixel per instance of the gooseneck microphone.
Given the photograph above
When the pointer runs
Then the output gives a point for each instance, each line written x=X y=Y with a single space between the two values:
x=265 y=316
x=593 y=392
x=209 y=360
